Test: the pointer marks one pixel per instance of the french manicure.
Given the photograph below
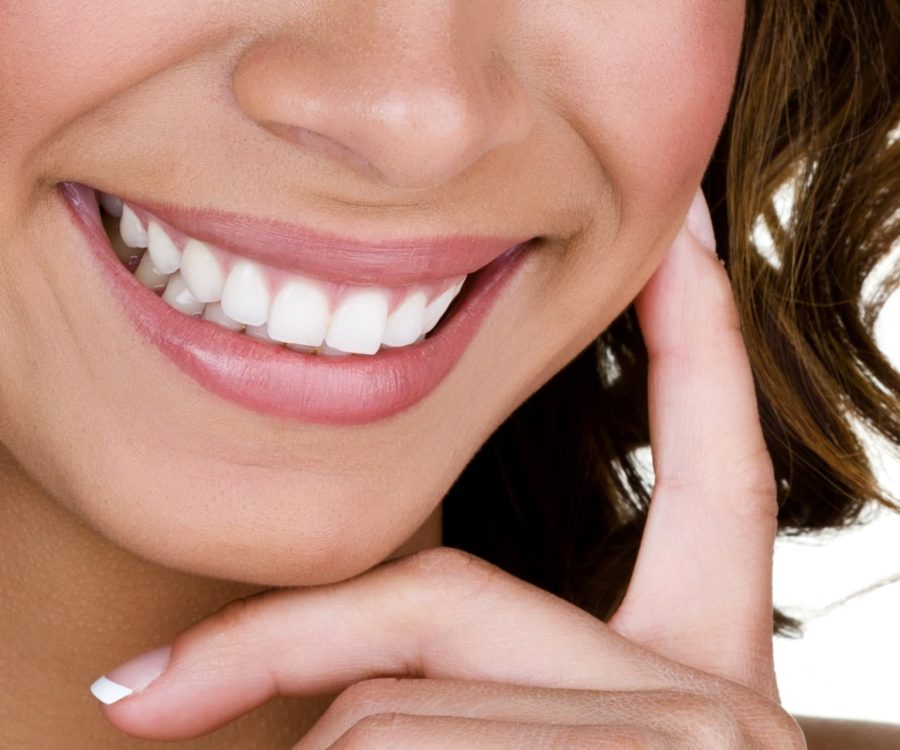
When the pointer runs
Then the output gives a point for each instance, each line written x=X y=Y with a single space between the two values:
x=132 y=676
x=699 y=222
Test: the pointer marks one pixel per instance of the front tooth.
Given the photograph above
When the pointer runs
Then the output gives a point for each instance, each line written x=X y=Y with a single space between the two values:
x=214 y=313
x=202 y=272
x=404 y=325
x=131 y=228
x=438 y=306
x=245 y=297
x=111 y=204
x=358 y=324
x=179 y=296
x=165 y=256
x=299 y=314
x=147 y=275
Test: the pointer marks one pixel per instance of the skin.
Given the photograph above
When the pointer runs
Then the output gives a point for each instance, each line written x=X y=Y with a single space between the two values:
x=588 y=124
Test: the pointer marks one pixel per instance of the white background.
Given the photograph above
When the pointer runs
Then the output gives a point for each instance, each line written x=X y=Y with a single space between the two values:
x=848 y=662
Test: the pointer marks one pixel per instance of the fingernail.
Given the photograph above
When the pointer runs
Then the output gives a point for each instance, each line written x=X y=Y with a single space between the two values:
x=132 y=676
x=699 y=222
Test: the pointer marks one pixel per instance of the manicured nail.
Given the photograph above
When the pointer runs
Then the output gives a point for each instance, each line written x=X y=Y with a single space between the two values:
x=132 y=676
x=699 y=222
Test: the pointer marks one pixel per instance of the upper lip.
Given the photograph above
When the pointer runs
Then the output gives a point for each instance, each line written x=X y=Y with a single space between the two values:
x=300 y=249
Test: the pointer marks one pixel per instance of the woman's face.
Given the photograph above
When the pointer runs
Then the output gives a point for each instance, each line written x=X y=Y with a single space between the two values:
x=243 y=127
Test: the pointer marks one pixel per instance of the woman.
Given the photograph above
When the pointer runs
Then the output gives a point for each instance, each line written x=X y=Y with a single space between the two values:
x=279 y=278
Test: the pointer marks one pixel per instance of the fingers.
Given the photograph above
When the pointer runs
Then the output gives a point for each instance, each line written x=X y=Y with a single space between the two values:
x=701 y=590
x=663 y=712
x=383 y=731
x=441 y=613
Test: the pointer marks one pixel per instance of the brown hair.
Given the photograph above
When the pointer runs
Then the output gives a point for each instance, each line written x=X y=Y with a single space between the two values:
x=557 y=495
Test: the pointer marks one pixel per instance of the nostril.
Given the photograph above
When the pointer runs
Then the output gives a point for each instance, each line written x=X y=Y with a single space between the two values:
x=316 y=142
x=408 y=113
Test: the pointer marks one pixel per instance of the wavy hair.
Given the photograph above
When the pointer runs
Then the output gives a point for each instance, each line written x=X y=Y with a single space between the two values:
x=559 y=494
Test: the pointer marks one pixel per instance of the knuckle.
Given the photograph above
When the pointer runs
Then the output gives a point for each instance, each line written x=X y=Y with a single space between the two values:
x=444 y=561
x=782 y=732
x=756 y=475
x=748 y=480
x=702 y=721
x=452 y=571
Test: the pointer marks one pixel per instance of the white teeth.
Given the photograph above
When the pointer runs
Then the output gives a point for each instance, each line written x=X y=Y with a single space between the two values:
x=404 y=325
x=194 y=281
x=202 y=272
x=131 y=229
x=111 y=204
x=358 y=324
x=147 y=275
x=299 y=314
x=245 y=297
x=165 y=256
x=438 y=306
x=179 y=296
x=330 y=351
x=214 y=313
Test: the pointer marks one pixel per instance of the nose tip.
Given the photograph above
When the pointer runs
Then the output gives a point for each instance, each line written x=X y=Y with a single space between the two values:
x=411 y=116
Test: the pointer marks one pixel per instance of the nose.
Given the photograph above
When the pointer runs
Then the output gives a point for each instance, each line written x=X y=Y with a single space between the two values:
x=413 y=92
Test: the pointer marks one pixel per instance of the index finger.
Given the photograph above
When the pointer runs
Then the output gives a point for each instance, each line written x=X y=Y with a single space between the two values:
x=440 y=613
x=701 y=592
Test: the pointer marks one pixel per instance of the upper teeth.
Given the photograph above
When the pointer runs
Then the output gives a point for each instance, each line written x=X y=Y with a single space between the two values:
x=305 y=313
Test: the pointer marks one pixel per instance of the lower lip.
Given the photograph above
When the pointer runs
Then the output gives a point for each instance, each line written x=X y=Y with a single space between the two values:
x=274 y=380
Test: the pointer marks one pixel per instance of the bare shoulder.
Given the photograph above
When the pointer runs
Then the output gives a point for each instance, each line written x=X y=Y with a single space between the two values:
x=843 y=734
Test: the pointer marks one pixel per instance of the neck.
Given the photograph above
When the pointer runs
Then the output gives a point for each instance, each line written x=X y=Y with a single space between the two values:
x=75 y=605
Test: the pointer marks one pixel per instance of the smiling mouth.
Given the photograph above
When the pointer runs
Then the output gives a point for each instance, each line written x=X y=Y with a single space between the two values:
x=246 y=306
x=304 y=313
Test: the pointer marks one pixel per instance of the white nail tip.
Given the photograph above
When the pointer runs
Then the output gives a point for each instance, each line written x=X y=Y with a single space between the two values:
x=245 y=297
x=202 y=272
x=131 y=229
x=165 y=256
x=358 y=324
x=108 y=692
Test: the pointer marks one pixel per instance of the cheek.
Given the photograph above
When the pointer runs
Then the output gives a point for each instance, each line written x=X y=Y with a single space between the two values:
x=648 y=86
x=60 y=60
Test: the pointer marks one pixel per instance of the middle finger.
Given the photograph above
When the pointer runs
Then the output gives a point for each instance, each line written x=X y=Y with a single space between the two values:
x=667 y=712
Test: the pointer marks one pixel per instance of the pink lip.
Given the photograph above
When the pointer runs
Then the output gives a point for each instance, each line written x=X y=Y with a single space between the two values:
x=271 y=379
x=331 y=257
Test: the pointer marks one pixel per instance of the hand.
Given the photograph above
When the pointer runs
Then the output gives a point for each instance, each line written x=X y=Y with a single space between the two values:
x=686 y=662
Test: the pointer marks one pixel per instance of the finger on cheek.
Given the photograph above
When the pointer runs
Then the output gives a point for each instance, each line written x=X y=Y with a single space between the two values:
x=706 y=554
x=703 y=412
